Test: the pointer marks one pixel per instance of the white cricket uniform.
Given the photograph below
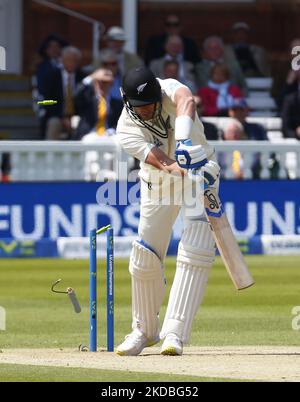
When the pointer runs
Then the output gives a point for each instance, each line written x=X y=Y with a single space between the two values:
x=196 y=249
x=156 y=221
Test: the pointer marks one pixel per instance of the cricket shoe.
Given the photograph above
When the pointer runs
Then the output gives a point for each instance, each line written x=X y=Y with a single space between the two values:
x=134 y=343
x=172 y=346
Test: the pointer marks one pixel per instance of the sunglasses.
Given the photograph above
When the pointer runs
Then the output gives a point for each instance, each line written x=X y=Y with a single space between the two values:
x=172 y=24
x=110 y=63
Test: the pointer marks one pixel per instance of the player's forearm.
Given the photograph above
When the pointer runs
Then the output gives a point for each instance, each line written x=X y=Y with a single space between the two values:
x=185 y=113
x=161 y=161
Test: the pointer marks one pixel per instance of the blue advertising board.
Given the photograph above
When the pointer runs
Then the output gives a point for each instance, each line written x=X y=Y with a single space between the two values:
x=34 y=211
x=268 y=207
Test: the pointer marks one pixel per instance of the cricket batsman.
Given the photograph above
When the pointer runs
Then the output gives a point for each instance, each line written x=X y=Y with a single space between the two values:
x=159 y=127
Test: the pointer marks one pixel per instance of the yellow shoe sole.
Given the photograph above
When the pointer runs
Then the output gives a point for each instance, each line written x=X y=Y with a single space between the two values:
x=149 y=344
x=120 y=353
x=170 y=351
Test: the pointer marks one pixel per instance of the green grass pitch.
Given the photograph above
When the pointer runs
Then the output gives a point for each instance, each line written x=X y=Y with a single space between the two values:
x=38 y=318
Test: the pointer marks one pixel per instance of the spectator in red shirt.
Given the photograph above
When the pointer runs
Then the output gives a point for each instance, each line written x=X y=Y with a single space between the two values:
x=217 y=96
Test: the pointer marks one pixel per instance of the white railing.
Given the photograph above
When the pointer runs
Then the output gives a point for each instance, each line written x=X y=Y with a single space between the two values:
x=98 y=27
x=67 y=160
x=287 y=153
x=63 y=161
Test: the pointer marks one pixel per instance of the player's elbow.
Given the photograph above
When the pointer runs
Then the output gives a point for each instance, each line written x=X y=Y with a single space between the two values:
x=190 y=102
x=185 y=101
x=187 y=106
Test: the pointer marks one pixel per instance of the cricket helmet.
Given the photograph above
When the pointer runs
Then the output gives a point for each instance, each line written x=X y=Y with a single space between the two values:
x=140 y=87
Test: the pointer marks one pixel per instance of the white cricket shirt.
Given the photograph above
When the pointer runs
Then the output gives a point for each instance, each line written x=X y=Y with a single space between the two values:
x=137 y=140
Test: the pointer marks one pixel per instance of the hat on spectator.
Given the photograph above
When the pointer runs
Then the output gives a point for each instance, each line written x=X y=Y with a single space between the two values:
x=238 y=103
x=116 y=33
x=240 y=25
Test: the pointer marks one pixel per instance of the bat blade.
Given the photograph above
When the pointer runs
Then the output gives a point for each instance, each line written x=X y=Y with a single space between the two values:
x=227 y=245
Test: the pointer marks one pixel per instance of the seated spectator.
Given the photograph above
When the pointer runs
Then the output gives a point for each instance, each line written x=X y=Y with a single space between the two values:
x=108 y=59
x=292 y=81
x=239 y=110
x=50 y=51
x=97 y=109
x=234 y=131
x=99 y=114
x=60 y=85
x=219 y=93
x=155 y=47
x=115 y=40
x=252 y=59
x=5 y=167
x=291 y=113
x=210 y=130
x=174 y=52
x=171 y=70
x=214 y=53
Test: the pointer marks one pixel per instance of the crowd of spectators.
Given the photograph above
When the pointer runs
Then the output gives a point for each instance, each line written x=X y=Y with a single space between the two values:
x=216 y=75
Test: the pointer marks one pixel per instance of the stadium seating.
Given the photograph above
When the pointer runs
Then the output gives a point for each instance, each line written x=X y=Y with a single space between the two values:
x=17 y=119
x=271 y=124
x=259 y=98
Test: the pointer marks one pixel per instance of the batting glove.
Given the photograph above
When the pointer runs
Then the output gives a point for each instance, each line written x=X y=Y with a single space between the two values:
x=190 y=156
x=210 y=172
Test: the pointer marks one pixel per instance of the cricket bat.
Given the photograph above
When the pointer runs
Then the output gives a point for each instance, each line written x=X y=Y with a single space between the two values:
x=229 y=249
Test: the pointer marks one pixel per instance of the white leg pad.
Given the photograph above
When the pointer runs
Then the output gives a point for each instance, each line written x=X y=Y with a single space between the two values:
x=196 y=253
x=148 y=289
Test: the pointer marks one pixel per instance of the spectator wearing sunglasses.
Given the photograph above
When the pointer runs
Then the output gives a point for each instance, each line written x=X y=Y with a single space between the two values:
x=115 y=38
x=109 y=60
x=155 y=47
x=174 y=53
